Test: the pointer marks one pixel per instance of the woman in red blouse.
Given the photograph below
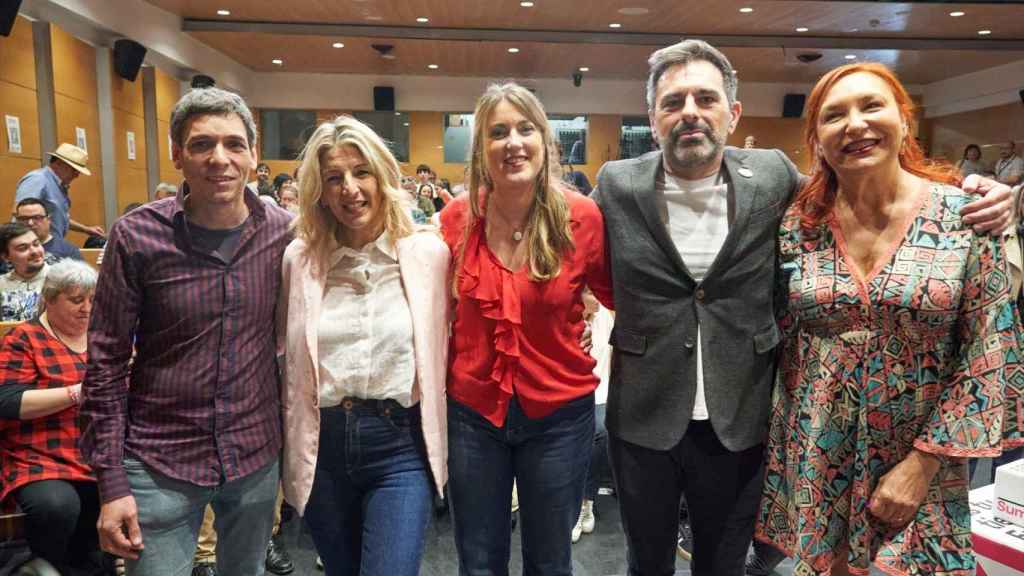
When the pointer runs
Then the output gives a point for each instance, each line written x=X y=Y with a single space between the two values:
x=42 y=364
x=520 y=385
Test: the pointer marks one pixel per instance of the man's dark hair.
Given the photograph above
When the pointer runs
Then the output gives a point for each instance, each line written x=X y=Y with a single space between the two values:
x=263 y=165
x=423 y=168
x=282 y=179
x=32 y=202
x=9 y=232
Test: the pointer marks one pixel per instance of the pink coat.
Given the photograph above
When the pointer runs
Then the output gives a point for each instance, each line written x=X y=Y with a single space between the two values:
x=423 y=260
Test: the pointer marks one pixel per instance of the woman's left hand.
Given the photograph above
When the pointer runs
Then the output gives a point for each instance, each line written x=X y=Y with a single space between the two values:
x=901 y=491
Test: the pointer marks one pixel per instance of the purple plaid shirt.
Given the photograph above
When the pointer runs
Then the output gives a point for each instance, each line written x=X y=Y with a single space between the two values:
x=200 y=401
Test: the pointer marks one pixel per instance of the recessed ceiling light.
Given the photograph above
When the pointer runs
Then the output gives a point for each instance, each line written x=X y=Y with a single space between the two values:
x=584 y=69
x=423 y=19
x=224 y=12
x=398 y=113
x=513 y=50
x=854 y=29
x=984 y=32
x=374 y=18
x=850 y=56
x=338 y=45
x=957 y=14
x=746 y=10
x=405 y=123
x=432 y=66
x=388 y=56
x=615 y=25
x=801 y=29
x=633 y=11
x=277 y=61
x=526 y=4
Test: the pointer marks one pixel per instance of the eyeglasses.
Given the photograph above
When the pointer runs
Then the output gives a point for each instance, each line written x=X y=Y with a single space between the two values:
x=31 y=219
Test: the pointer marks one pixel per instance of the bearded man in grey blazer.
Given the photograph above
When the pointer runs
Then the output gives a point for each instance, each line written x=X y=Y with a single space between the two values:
x=692 y=237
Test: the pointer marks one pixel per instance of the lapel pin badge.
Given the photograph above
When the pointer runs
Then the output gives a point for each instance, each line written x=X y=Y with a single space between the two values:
x=745 y=172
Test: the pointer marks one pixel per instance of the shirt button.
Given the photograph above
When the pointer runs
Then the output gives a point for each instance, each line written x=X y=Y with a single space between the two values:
x=688 y=344
x=699 y=294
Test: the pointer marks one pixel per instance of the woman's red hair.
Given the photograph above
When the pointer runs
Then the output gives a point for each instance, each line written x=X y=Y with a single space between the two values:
x=817 y=198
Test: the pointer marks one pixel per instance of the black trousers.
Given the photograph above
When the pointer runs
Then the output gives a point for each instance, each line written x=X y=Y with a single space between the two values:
x=722 y=489
x=60 y=524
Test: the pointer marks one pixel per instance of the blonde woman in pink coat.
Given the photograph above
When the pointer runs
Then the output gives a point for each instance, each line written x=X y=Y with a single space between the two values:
x=364 y=325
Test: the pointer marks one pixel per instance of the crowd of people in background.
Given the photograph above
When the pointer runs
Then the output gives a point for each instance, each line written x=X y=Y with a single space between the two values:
x=361 y=343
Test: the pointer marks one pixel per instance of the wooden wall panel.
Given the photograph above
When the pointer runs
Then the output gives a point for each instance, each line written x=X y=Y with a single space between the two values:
x=786 y=134
x=129 y=170
x=12 y=168
x=131 y=187
x=168 y=91
x=947 y=136
x=74 y=66
x=126 y=95
x=17 y=61
x=16 y=100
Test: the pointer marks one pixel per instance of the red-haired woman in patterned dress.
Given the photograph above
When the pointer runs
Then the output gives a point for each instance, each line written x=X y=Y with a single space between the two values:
x=42 y=363
x=899 y=329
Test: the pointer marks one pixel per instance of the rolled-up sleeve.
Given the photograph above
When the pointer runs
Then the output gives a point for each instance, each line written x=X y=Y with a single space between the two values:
x=105 y=389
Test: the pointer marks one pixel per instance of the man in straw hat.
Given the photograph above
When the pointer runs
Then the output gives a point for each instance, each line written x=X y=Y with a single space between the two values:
x=50 y=184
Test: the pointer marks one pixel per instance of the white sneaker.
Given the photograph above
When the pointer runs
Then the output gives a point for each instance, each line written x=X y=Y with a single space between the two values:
x=578 y=528
x=586 y=520
x=319 y=563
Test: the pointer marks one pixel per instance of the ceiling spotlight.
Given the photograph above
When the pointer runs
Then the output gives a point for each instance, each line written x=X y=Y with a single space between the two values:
x=513 y=50
x=423 y=19
x=405 y=123
x=338 y=45
x=634 y=11
x=746 y=10
x=398 y=113
x=526 y=4
x=584 y=69
x=615 y=25
x=801 y=29
x=433 y=66
x=984 y=32
x=850 y=56
x=957 y=14
x=224 y=12
x=277 y=61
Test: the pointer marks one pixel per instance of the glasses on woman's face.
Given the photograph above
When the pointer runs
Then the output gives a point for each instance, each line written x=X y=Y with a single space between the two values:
x=30 y=219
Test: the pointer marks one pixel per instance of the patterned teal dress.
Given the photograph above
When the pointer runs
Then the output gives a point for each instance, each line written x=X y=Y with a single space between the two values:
x=922 y=353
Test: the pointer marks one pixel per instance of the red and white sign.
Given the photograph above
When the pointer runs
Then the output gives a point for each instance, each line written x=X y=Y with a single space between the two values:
x=998 y=542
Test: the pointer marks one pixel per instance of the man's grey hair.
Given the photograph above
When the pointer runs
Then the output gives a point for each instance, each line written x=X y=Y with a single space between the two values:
x=165 y=187
x=210 y=101
x=683 y=53
x=65 y=277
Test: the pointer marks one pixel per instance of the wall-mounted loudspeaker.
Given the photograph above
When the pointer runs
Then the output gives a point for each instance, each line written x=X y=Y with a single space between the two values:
x=1021 y=93
x=384 y=98
x=793 y=105
x=8 y=14
x=128 y=57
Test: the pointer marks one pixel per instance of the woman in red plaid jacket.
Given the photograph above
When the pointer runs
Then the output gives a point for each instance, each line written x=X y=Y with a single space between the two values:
x=42 y=363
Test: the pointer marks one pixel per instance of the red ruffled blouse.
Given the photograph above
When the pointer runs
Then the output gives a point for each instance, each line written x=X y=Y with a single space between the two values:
x=512 y=335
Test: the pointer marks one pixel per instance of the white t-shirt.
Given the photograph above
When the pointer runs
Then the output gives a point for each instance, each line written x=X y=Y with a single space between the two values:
x=365 y=328
x=696 y=214
x=19 y=298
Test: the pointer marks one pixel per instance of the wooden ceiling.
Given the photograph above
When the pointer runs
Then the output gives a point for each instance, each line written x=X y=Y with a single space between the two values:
x=922 y=42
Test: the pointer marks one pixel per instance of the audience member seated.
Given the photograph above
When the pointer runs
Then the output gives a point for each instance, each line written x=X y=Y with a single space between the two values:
x=1010 y=168
x=165 y=190
x=42 y=364
x=289 y=196
x=971 y=162
x=19 y=288
x=33 y=213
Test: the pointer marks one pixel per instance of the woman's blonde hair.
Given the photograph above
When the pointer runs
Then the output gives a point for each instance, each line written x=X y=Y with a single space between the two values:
x=316 y=224
x=547 y=228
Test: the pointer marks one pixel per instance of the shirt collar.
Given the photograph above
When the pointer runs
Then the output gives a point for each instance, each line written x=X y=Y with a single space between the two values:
x=382 y=244
x=257 y=209
x=56 y=179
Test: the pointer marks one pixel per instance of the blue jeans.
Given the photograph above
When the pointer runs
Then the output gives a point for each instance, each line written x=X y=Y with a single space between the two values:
x=171 y=511
x=1010 y=455
x=371 y=498
x=600 y=471
x=547 y=457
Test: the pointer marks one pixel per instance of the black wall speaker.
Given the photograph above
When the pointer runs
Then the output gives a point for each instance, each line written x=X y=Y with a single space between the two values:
x=1021 y=94
x=8 y=14
x=793 y=105
x=384 y=98
x=128 y=56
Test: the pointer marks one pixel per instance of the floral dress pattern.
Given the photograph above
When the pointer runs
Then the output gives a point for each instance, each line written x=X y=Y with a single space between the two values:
x=922 y=353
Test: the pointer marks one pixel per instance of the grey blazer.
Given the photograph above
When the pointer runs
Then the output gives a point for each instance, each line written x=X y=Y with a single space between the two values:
x=658 y=303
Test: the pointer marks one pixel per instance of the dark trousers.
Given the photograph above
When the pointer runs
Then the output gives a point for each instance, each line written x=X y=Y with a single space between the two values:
x=599 y=474
x=722 y=488
x=60 y=524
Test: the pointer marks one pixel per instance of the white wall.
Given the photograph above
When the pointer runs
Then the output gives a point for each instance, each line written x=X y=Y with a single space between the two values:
x=982 y=89
x=458 y=94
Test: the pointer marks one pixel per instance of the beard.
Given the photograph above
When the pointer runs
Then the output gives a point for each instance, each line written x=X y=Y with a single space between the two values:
x=687 y=155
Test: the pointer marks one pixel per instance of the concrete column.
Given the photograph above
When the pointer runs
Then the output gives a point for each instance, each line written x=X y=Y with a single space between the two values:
x=152 y=129
x=44 y=89
x=108 y=146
